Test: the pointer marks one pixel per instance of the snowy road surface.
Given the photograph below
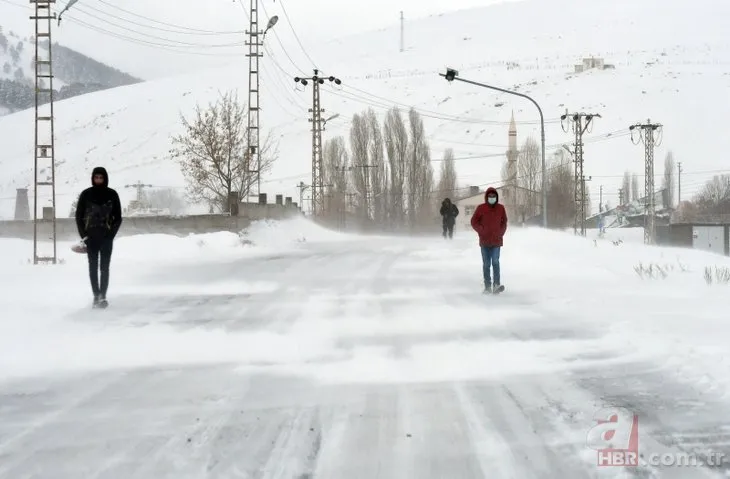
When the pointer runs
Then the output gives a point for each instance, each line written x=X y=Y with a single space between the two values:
x=365 y=358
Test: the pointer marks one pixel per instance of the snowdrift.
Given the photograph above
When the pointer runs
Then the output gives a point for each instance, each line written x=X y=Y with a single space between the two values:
x=550 y=276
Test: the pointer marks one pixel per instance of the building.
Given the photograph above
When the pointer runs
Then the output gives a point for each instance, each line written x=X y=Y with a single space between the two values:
x=591 y=63
x=714 y=238
x=516 y=214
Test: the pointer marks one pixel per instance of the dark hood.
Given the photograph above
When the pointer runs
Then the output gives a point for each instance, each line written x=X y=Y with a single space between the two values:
x=447 y=201
x=491 y=190
x=100 y=171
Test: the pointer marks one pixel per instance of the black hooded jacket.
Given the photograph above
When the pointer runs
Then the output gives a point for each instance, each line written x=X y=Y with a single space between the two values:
x=449 y=212
x=99 y=211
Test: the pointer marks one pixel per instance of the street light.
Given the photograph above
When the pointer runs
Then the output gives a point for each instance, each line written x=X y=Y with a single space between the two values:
x=452 y=75
x=270 y=25
x=324 y=122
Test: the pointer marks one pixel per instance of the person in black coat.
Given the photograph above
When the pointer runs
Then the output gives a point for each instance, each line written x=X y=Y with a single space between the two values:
x=449 y=212
x=98 y=218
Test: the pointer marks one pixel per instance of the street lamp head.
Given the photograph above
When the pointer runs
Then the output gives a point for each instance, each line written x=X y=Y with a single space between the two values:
x=451 y=74
x=272 y=22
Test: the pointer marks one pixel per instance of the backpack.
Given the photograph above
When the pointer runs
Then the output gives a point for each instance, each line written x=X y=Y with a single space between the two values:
x=99 y=218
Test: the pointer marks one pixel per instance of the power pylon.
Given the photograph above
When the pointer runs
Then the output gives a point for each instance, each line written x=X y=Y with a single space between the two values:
x=139 y=186
x=317 y=125
x=580 y=122
x=44 y=150
x=253 y=132
x=650 y=134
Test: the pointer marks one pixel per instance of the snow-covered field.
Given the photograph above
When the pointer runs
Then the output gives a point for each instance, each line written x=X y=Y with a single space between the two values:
x=666 y=69
x=288 y=353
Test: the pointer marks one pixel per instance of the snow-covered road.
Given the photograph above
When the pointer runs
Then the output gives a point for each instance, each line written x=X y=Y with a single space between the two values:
x=361 y=358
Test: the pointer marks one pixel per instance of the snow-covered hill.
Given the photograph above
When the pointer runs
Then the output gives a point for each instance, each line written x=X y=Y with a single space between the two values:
x=74 y=73
x=666 y=69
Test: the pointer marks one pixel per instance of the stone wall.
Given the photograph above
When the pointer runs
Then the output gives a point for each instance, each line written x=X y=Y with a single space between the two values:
x=174 y=225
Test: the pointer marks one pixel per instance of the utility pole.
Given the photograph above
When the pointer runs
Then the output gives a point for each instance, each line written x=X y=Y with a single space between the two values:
x=302 y=187
x=679 y=184
x=580 y=123
x=366 y=179
x=621 y=196
x=45 y=145
x=402 y=27
x=583 y=206
x=317 y=124
x=253 y=131
x=139 y=186
x=600 y=200
x=647 y=132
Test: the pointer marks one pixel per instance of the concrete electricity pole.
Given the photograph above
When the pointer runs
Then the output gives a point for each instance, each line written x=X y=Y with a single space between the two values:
x=580 y=123
x=45 y=145
x=647 y=132
x=402 y=43
x=583 y=206
x=317 y=124
x=679 y=184
x=302 y=187
x=600 y=200
x=253 y=130
x=621 y=196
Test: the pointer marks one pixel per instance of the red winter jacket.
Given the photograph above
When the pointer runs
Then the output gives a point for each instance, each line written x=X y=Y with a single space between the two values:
x=490 y=221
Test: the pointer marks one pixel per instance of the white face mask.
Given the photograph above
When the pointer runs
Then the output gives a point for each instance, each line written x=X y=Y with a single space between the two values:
x=492 y=200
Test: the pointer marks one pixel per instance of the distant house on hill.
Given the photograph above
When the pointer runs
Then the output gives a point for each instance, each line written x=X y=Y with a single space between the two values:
x=590 y=63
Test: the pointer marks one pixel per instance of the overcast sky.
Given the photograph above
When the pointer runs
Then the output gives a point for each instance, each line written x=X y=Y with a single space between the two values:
x=145 y=38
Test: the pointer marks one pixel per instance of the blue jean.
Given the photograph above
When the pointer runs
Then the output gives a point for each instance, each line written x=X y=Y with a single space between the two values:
x=490 y=261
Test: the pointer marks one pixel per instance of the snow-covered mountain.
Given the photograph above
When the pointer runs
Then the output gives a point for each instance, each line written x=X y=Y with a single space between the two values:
x=664 y=67
x=74 y=73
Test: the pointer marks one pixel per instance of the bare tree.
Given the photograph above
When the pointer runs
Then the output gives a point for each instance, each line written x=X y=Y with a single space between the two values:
x=447 y=180
x=635 y=192
x=529 y=175
x=212 y=153
x=335 y=159
x=668 y=181
x=626 y=188
x=561 y=181
x=419 y=172
x=359 y=147
x=396 y=145
x=377 y=169
x=713 y=200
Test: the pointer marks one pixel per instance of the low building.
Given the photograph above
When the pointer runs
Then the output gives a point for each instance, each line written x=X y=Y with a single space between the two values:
x=714 y=238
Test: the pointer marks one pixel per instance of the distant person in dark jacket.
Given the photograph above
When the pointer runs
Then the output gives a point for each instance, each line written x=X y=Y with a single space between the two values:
x=449 y=212
x=490 y=223
x=98 y=218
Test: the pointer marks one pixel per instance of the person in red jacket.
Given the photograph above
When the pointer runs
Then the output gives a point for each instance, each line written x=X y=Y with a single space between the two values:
x=490 y=223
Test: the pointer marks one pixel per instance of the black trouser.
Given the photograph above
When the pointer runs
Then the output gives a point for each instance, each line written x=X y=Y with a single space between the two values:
x=448 y=229
x=97 y=248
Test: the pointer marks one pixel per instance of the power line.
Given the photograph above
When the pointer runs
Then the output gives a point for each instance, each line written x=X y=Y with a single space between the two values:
x=288 y=20
x=206 y=32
